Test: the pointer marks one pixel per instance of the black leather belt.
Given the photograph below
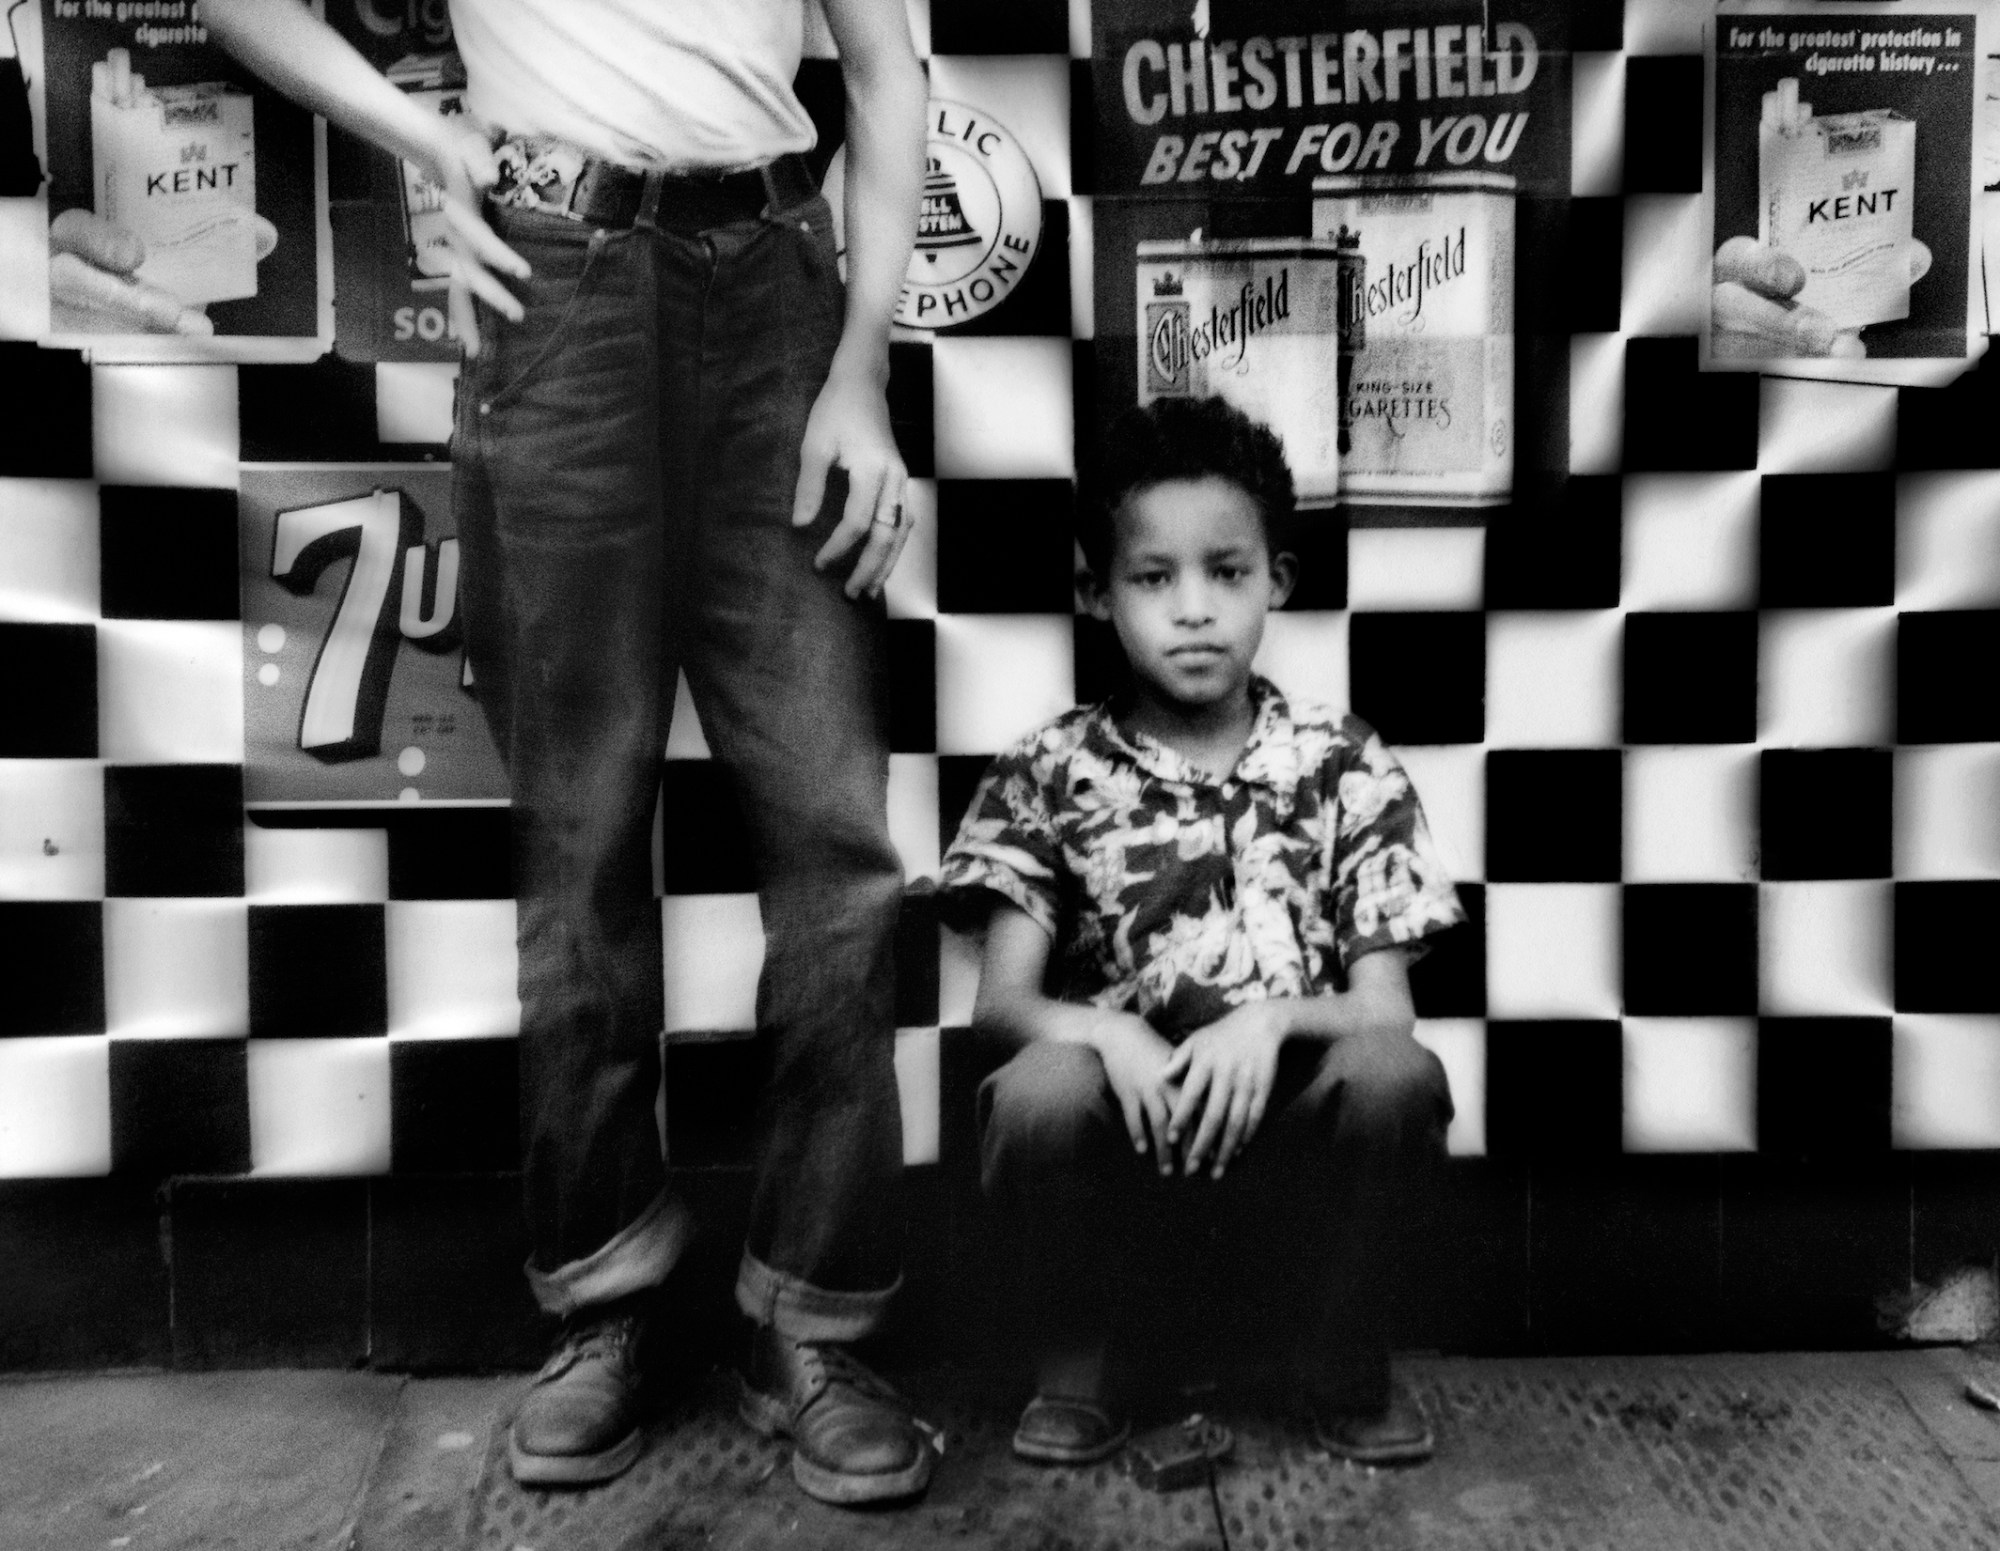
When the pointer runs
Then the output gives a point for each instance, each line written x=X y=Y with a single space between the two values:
x=606 y=194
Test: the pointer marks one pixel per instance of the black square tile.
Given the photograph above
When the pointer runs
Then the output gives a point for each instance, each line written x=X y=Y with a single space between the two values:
x=910 y=407
x=1589 y=297
x=959 y=776
x=1554 y=815
x=1318 y=540
x=1564 y=553
x=1949 y=427
x=1554 y=1089
x=1006 y=546
x=912 y=686
x=1691 y=678
x=706 y=840
x=1827 y=541
x=451 y=853
x=46 y=431
x=445 y=1283
x=52 y=963
x=1419 y=677
x=712 y=1089
x=318 y=970
x=1824 y=813
x=48 y=691
x=1663 y=124
x=1082 y=129
x=1037 y=299
x=917 y=960
x=1598 y=28
x=322 y=412
x=83 y=1281
x=167 y=553
x=1102 y=672
x=173 y=831
x=454 y=1106
x=1823 y=1086
x=1690 y=949
x=179 y=1106
x=1944 y=955
x=1679 y=417
x=1626 y=1255
x=1029 y=27
x=1944 y=688
x=1449 y=981
x=269 y=1273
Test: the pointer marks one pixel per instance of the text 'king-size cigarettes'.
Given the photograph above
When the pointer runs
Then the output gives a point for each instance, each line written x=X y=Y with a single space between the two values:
x=1835 y=192
x=176 y=167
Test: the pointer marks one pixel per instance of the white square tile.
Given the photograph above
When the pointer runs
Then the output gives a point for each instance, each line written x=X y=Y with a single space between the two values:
x=1947 y=802
x=1826 y=677
x=319 y=1106
x=1416 y=568
x=1690 y=541
x=1948 y=540
x=1691 y=814
x=1002 y=408
x=1946 y=1083
x=685 y=738
x=1305 y=654
x=1552 y=950
x=1664 y=27
x=1450 y=779
x=1596 y=403
x=1690 y=1084
x=1597 y=124
x=315 y=866
x=1000 y=676
x=911 y=592
x=24 y=261
x=413 y=400
x=1823 y=948
x=51 y=829
x=165 y=425
x=1665 y=285
x=714 y=951
x=1079 y=29
x=49 y=561
x=1807 y=427
x=958 y=977
x=170 y=691
x=452 y=968
x=55 y=1106
x=1082 y=277
x=917 y=1087
x=1552 y=679
x=176 y=968
x=913 y=812
x=1026 y=94
x=1460 y=1044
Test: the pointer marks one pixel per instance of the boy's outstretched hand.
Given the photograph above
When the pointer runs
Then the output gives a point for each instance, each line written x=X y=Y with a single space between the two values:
x=1225 y=1072
x=1136 y=1064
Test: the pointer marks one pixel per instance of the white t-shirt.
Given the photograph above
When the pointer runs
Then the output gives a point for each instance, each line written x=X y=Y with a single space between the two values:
x=678 y=84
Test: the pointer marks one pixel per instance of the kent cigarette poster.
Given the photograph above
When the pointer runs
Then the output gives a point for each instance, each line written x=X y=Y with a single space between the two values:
x=184 y=196
x=1842 y=183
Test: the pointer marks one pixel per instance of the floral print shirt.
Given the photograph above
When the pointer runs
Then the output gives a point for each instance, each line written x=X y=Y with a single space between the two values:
x=1177 y=896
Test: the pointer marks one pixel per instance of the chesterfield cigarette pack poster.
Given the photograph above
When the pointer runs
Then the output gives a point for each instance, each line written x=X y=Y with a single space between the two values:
x=355 y=689
x=1843 y=183
x=184 y=196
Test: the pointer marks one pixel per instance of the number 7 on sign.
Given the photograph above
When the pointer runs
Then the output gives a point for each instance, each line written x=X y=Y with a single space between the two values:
x=342 y=718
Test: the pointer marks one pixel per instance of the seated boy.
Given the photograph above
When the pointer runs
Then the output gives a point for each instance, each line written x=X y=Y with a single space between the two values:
x=1199 y=904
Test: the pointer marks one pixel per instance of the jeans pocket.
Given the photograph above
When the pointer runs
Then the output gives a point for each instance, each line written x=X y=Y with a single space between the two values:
x=565 y=265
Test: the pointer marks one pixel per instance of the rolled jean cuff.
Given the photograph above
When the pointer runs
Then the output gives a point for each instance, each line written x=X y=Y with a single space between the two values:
x=803 y=1312
x=639 y=1256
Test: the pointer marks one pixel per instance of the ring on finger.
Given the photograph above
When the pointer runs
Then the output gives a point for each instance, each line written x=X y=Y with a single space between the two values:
x=895 y=518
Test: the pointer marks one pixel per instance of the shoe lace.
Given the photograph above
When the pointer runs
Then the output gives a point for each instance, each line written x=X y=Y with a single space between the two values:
x=830 y=1365
x=609 y=1340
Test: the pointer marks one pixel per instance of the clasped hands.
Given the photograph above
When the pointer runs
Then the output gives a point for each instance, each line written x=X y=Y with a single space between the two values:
x=1197 y=1104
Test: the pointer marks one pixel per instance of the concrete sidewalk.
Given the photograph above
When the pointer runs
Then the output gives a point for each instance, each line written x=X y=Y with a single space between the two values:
x=1849 y=1451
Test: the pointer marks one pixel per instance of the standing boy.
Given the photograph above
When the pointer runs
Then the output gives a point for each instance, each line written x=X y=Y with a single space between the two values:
x=662 y=370
x=1199 y=903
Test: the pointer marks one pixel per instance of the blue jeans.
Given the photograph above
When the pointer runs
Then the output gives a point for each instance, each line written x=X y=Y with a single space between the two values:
x=625 y=463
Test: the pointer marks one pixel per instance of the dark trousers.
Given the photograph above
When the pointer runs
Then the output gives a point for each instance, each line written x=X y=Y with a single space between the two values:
x=625 y=463
x=1307 y=1215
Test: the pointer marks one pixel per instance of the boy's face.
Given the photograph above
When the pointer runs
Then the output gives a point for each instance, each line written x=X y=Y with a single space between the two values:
x=1191 y=579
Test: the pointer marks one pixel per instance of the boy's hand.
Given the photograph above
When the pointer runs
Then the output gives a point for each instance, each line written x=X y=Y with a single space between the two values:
x=1136 y=1061
x=462 y=165
x=849 y=426
x=1226 y=1072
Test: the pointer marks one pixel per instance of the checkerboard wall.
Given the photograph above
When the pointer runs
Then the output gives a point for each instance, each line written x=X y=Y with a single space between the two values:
x=1708 y=731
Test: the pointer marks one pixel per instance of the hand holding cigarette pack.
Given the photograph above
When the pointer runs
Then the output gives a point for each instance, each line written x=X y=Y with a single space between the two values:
x=176 y=167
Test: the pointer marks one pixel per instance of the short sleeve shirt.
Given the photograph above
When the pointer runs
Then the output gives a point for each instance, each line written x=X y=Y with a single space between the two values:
x=1178 y=896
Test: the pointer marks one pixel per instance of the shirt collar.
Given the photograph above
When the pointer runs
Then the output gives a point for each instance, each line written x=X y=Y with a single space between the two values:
x=1270 y=758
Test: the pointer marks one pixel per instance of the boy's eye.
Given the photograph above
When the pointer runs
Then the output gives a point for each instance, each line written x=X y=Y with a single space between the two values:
x=1149 y=578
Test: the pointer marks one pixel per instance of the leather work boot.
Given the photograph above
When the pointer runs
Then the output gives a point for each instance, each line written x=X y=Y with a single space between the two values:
x=853 y=1438
x=579 y=1423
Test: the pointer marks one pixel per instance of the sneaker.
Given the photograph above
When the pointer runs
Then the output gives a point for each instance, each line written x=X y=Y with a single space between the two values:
x=579 y=1423
x=1398 y=1434
x=853 y=1438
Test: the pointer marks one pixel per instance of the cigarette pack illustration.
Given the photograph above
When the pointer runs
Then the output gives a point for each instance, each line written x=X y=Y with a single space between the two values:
x=176 y=167
x=435 y=82
x=1428 y=398
x=1255 y=321
x=1835 y=192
